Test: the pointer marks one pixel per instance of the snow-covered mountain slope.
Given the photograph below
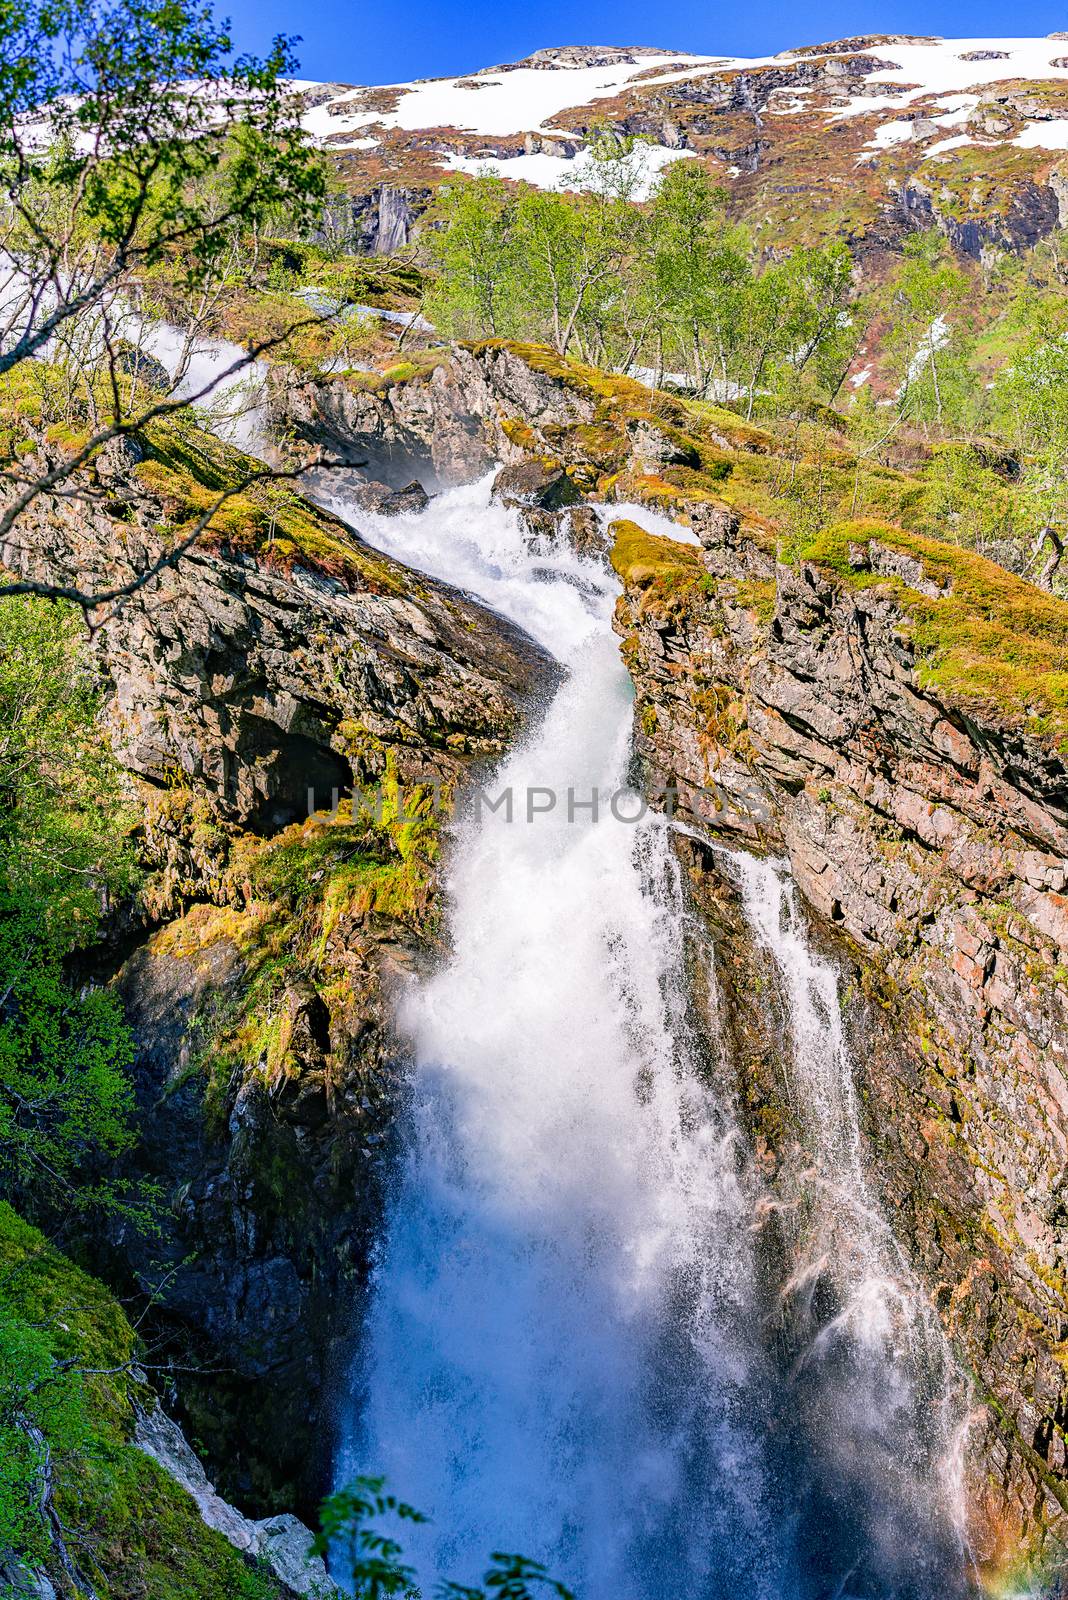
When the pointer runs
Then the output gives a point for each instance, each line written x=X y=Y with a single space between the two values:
x=864 y=132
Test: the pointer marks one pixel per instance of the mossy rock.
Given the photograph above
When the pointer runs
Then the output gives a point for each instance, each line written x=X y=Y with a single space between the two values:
x=984 y=638
x=133 y=1530
x=646 y=562
x=189 y=469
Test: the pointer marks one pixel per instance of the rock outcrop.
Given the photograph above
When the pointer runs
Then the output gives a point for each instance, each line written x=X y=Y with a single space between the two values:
x=279 y=659
x=281 y=1544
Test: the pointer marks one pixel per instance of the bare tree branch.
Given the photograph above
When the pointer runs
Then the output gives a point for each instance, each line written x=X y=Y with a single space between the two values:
x=92 y=602
x=120 y=427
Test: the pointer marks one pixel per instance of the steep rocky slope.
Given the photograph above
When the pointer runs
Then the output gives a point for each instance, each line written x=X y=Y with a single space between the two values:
x=127 y=1508
x=282 y=667
x=887 y=711
x=861 y=712
x=863 y=136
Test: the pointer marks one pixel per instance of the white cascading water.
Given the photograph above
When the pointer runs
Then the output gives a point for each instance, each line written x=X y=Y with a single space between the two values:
x=235 y=406
x=566 y=1353
x=554 y=1352
x=873 y=1355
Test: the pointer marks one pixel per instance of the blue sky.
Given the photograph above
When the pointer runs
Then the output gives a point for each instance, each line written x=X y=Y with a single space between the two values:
x=383 y=43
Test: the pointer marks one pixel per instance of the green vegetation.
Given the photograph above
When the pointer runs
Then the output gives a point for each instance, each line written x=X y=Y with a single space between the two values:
x=166 y=152
x=189 y=468
x=990 y=639
x=64 y=1094
x=375 y=1564
x=644 y=561
x=77 y=1498
x=670 y=284
x=304 y=886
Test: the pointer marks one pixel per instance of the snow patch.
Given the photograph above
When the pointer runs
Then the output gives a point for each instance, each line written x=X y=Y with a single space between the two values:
x=520 y=101
x=945 y=145
x=901 y=130
x=547 y=171
x=1043 y=136
x=926 y=70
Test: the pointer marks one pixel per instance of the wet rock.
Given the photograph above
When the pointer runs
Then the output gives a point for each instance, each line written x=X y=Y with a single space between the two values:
x=387 y=502
x=142 y=365
x=532 y=483
x=383 y=217
x=587 y=532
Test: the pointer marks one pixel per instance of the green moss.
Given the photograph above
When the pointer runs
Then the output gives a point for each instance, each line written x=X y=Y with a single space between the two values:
x=188 y=467
x=704 y=435
x=606 y=446
x=131 y=1528
x=992 y=642
x=758 y=595
x=23 y=403
x=373 y=862
x=415 y=368
x=645 y=561
x=520 y=433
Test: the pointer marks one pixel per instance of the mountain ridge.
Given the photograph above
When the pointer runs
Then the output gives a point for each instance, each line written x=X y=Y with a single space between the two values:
x=879 y=131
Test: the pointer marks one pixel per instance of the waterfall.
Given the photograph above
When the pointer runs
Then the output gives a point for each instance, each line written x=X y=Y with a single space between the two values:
x=566 y=1351
x=555 y=1357
x=570 y=1350
x=873 y=1370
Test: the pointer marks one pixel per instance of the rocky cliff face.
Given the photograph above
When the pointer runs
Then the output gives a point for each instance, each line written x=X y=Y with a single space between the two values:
x=817 y=709
x=280 y=666
x=886 y=711
x=447 y=418
x=281 y=656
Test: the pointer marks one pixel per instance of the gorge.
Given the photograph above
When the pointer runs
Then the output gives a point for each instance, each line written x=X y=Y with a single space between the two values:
x=572 y=1342
x=534 y=830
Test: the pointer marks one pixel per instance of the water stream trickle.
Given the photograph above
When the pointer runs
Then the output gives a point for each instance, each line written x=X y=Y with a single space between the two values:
x=874 y=1373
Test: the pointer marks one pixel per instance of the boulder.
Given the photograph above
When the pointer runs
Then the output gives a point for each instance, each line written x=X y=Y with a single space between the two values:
x=533 y=483
x=653 y=447
x=387 y=502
